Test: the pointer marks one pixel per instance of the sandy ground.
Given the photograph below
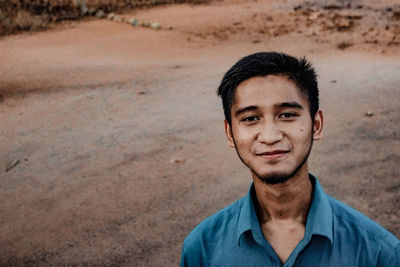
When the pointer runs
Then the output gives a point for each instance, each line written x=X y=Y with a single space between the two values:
x=111 y=137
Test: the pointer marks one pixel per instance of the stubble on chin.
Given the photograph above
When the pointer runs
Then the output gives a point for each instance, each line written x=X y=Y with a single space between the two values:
x=277 y=178
x=280 y=178
x=274 y=178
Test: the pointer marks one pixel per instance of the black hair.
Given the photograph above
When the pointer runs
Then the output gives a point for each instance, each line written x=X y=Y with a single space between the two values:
x=299 y=71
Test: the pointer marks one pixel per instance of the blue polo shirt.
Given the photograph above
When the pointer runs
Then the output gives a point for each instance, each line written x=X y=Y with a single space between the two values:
x=335 y=235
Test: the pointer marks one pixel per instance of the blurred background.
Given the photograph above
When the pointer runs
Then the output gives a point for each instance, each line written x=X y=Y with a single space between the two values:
x=111 y=134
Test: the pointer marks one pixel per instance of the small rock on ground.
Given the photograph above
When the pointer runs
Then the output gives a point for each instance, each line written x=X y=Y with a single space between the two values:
x=118 y=18
x=146 y=24
x=177 y=160
x=155 y=26
x=134 y=22
x=100 y=14
x=111 y=16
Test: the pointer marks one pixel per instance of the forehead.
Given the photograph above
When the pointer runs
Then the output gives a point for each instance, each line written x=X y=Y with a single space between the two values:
x=267 y=90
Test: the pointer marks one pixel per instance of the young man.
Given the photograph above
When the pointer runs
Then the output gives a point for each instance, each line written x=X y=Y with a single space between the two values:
x=272 y=117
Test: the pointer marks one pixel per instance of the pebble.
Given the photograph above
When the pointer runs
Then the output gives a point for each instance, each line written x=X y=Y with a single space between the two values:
x=81 y=5
x=146 y=24
x=111 y=16
x=100 y=14
x=155 y=26
x=84 y=8
x=369 y=113
x=134 y=22
x=177 y=160
x=314 y=15
x=118 y=18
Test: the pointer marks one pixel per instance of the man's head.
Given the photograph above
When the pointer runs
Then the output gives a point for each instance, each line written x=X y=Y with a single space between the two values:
x=268 y=63
x=272 y=116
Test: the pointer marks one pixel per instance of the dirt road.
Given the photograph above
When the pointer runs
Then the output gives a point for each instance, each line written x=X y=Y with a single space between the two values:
x=112 y=146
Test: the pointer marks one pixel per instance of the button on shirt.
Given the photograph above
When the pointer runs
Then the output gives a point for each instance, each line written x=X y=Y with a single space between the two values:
x=335 y=235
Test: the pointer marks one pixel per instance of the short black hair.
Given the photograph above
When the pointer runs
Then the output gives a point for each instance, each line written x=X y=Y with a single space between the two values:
x=300 y=71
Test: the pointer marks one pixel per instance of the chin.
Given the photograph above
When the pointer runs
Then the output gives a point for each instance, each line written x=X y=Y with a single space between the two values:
x=275 y=178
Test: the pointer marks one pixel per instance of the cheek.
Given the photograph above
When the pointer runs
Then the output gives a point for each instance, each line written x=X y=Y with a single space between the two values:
x=243 y=138
x=302 y=133
x=304 y=136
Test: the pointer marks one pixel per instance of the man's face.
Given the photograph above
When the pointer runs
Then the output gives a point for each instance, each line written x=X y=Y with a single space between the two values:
x=271 y=128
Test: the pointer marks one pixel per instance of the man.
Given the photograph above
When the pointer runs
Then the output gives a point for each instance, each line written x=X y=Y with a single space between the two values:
x=272 y=117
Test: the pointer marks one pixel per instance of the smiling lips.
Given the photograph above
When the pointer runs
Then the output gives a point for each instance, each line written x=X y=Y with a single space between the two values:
x=273 y=154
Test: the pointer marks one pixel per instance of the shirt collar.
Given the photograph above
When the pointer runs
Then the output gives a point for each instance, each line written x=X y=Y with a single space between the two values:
x=319 y=218
x=247 y=214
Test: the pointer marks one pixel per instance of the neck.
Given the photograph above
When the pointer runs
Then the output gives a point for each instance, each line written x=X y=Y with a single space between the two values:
x=287 y=201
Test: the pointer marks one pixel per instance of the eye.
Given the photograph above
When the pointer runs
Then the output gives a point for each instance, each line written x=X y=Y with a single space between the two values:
x=250 y=119
x=287 y=115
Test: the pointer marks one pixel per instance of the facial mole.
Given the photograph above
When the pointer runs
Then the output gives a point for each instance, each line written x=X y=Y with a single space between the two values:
x=301 y=130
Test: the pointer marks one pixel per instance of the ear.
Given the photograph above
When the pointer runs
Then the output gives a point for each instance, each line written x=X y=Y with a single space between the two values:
x=317 y=125
x=229 y=135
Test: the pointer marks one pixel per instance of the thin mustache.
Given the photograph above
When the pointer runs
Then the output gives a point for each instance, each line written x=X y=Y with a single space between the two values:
x=272 y=152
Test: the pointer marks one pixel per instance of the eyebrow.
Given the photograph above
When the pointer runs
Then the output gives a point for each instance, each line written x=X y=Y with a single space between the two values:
x=245 y=109
x=292 y=104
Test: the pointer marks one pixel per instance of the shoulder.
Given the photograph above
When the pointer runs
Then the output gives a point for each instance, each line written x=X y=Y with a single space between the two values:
x=347 y=215
x=217 y=230
x=215 y=224
x=357 y=228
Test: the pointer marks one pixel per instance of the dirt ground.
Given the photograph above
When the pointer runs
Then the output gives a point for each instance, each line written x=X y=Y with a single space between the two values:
x=111 y=137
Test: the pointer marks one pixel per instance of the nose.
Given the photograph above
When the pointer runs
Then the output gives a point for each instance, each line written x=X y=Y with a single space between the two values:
x=269 y=134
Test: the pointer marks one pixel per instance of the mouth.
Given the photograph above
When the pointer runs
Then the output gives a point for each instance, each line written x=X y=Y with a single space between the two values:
x=275 y=154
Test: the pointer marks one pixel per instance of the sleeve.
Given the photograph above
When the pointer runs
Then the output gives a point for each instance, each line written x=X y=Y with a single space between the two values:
x=396 y=261
x=191 y=255
x=391 y=259
x=184 y=260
